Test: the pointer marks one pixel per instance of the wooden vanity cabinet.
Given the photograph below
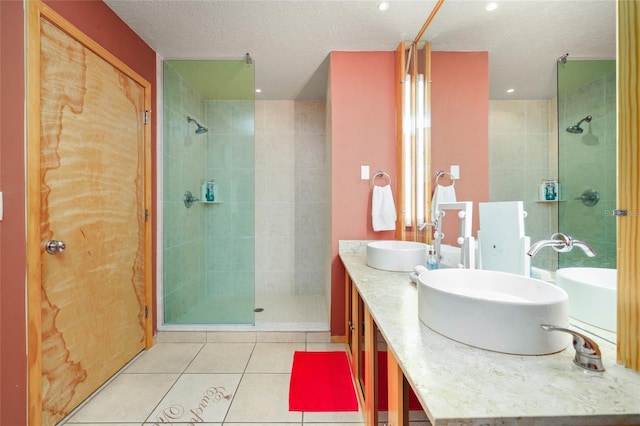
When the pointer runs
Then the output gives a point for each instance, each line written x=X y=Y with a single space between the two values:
x=362 y=343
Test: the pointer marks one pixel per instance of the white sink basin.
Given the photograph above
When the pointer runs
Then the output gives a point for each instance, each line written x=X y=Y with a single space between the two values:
x=401 y=256
x=497 y=311
x=592 y=295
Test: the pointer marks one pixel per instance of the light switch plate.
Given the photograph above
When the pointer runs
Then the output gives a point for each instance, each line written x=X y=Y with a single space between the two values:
x=455 y=171
x=364 y=172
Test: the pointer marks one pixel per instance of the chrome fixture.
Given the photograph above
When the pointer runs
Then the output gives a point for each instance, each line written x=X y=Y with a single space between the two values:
x=563 y=59
x=588 y=354
x=561 y=243
x=425 y=224
x=189 y=199
x=247 y=59
x=201 y=129
x=589 y=197
x=55 y=246
x=577 y=128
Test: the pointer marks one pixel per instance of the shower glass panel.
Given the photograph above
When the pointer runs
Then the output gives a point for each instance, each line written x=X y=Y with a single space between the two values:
x=587 y=159
x=208 y=246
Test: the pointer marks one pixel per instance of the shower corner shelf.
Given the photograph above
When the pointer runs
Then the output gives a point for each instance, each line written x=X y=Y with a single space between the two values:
x=210 y=202
x=548 y=201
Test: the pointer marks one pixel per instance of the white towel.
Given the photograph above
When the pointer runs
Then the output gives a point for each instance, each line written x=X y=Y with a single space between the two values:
x=415 y=275
x=442 y=194
x=383 y=209
x=419 y=269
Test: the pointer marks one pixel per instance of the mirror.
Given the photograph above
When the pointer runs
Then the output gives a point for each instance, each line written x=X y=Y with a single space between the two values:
x=523 y=139
x=587 y=145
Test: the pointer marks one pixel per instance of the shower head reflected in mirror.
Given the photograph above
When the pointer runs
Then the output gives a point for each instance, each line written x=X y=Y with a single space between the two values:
x=201 y=129
x=577 y=128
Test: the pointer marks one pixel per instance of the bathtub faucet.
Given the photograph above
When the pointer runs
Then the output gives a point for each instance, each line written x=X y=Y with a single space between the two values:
x=561 y=243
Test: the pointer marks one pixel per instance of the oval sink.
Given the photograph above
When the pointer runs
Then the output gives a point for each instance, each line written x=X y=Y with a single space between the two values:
x=592 y=295
x=400 y=256
x=497 y=311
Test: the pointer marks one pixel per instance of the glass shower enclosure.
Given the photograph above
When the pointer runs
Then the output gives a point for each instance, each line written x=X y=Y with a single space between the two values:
x=587 y=148
x=208 y=245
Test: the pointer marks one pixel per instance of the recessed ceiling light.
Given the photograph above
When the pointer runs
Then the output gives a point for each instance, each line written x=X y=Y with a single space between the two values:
x=511 y=90
x=383 y=6
x=258 y=90
x=491 y=6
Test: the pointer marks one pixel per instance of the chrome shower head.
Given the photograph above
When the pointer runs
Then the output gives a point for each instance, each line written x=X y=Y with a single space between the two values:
x=201 y=129
x=248 y=59
x=577 y=128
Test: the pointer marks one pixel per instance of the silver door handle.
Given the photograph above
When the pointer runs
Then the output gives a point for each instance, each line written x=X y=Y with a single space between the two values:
x=55 y=246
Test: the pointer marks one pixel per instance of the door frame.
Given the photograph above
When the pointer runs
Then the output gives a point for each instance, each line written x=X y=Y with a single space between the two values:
x=35 y=11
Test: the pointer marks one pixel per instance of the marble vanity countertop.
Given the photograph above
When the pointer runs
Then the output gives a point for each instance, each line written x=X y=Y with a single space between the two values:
x=461 y=385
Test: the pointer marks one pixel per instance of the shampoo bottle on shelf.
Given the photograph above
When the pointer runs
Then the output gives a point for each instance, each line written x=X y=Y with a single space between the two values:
x=211 y=190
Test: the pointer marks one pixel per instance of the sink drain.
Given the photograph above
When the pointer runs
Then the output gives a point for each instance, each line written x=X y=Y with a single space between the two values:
x=258 y=310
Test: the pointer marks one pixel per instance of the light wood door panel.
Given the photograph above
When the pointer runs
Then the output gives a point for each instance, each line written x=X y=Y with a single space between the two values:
x=92 y=198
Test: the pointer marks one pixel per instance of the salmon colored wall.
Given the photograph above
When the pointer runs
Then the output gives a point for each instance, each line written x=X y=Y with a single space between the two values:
x=460 y=125
x=362 y=132
x=96 y=20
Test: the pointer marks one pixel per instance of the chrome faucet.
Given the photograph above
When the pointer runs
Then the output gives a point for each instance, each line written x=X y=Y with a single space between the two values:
x=588 y=355
x=425 y=224
x=561 y=243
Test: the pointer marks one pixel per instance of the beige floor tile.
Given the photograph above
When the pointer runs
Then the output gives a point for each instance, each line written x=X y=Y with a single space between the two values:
x=231 y=336
x=262 y=398
x=181 y=337
x=345 y=417
x=281 y=337
x=326 y=347
x=222 y=358
x=358 y=423
x=197 y=398
x=128 y=398
x=319 y=337
x=165 y=358
x=273 y=357
x=418 y=416
x=270 y=424
x=101 y=424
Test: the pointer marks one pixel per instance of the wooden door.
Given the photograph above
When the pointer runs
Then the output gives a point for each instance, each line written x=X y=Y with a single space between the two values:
x=93 y=215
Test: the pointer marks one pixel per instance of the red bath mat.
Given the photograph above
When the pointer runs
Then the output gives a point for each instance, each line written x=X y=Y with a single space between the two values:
x=321 y=381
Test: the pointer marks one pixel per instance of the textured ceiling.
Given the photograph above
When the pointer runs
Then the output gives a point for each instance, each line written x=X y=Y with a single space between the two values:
x=290 y=40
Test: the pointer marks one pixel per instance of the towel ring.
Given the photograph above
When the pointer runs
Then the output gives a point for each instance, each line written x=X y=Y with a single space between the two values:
x=380 y=174
x=442 y=173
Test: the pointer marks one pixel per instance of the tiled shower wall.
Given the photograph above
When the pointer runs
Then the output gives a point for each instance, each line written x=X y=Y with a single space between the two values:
x=522 y=151
x=292 y=198
x=184 y=155
x=588 y=161
x=230 y=265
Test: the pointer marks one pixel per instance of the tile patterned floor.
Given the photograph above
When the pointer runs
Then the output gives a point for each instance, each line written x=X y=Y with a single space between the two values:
x=213 y=379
